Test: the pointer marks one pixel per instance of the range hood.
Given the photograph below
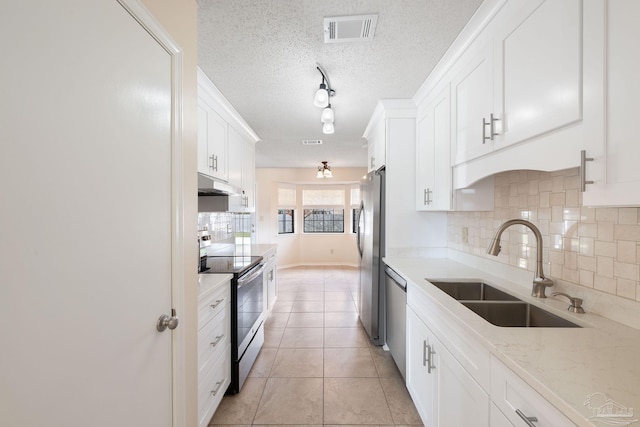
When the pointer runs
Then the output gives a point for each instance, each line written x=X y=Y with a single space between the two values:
x=208 y=186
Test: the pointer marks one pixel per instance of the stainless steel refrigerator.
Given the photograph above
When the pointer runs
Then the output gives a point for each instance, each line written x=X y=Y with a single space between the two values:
x=371 y=243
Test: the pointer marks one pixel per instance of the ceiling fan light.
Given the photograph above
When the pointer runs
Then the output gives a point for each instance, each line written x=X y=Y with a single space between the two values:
x=327 y=115
x=328 y=128
x=321 y=99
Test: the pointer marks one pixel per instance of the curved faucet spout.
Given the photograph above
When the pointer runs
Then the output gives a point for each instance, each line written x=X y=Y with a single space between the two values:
x=540 y=282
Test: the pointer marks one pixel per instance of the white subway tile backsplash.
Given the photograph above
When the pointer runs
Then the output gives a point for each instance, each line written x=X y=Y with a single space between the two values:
x=592 y=247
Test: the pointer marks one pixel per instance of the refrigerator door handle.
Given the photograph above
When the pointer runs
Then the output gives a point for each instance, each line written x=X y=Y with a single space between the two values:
x=359 y=229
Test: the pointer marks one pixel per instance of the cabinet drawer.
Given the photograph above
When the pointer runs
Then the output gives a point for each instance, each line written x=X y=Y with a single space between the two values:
x=212 y=303
x=212 y=386
x=213 y=338
x=510 y=394
x=471 y=354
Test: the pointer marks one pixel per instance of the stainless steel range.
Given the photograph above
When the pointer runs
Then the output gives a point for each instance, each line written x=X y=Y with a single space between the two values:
x=247 y=307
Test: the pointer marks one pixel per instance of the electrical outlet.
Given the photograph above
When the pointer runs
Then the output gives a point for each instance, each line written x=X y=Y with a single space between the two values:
x=465 y=234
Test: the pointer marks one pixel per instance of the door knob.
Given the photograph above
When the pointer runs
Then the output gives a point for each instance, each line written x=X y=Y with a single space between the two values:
x=165 y=321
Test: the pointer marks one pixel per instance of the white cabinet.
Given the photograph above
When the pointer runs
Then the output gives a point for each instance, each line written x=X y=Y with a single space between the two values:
x=214 y=343
x=472 y=103
x=270 y=282
x=212 y=141
x=443 y=391
x=526 y=87
x=242 y=171
x=434 y=187
x=615 y=173
x=517 y=400
x=376 y=148
x=497 y=418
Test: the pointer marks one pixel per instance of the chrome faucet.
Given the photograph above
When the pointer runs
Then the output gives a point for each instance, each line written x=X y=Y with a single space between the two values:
x=540 y=282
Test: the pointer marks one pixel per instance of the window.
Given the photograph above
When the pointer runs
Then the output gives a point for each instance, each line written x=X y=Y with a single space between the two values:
x=285 y=221
x=354 y=220
x=323 y=220
x=324 y=207
x=286 y=208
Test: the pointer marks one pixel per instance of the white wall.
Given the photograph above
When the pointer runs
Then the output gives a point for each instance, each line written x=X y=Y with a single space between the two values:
x=300 y=248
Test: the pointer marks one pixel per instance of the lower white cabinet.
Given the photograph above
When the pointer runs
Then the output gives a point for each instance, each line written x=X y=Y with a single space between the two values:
x=517 y=400
x=270 y=288
x=214 y=343
x=497 y=418
x=444 y=393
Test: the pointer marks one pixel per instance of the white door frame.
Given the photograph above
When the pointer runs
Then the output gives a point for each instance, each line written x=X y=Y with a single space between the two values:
x=178 y=343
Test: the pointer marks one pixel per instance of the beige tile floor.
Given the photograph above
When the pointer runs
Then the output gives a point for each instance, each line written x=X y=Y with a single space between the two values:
x=317 y=366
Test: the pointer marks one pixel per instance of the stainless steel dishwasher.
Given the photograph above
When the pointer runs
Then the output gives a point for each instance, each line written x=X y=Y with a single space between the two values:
x=396 y=311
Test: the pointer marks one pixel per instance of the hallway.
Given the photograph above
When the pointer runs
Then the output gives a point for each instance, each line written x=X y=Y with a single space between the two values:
x=316 y=366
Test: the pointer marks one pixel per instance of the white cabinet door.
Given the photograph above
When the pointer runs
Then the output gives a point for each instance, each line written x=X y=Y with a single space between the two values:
x=462 y=401
x=443 y=391
x=538 y=67
x=236 y=145
x=472 y=103
x=433 y=154
x=86 y=136
x=421 y=380
x=377 y=146
x=497 y=418
x=213 y=133
x=616 y=174
x=249 y=175
x=517 y=400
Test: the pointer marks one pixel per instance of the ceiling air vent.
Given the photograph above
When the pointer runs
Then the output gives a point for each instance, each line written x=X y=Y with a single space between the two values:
x=345 y=29
x=311 y=142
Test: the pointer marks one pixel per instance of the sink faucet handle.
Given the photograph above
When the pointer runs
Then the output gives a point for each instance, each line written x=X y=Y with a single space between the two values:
x=575 y=303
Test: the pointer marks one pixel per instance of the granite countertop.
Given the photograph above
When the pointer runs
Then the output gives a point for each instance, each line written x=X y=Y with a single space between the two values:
x=564 y=365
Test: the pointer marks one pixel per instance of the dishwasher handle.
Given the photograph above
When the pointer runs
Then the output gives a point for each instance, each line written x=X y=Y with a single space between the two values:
x=397 y=279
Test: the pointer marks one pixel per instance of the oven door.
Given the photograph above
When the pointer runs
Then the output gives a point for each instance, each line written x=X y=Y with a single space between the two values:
x=250 y=306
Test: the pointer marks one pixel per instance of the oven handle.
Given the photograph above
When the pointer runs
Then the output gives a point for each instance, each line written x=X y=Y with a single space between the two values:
x=249 y=277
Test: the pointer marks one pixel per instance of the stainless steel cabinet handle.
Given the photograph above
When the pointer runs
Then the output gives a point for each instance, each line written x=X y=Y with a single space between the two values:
x=427 y=352
x=217 y=341
x=427 y=196
x=430 y=365
x=529 y=420
x=215 y=163
x=492 y=128
x=217 y=388
x=485 y=123
x=373 y=162
x=217 y=303
x=211 y=162
x=583 y=170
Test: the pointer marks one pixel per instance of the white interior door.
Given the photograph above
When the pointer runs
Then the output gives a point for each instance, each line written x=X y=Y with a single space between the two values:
x=86 y=223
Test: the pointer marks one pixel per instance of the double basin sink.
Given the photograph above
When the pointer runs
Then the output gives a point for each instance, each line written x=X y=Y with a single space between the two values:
x=500 y=308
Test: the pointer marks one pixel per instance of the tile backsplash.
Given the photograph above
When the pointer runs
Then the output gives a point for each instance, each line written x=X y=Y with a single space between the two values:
x=227 y=227
x=592 y=247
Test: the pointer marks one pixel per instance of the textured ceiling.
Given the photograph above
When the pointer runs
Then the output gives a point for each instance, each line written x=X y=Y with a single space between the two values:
x=262 y=55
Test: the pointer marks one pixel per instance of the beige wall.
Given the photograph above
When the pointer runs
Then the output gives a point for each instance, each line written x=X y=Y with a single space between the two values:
x=179 y=19
x=595 y=248
x=300 y=248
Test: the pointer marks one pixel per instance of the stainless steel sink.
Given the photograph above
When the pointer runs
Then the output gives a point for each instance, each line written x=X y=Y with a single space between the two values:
x=473 y=291
x=500 y=308
x=517 y=314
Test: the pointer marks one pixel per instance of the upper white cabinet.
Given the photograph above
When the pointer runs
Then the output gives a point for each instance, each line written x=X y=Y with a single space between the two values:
x=212 y=142
x=615 y=173
x=526 y=87
x=377 y=145
x=434 y=187
x=538 y=68
x=226 y=144
x=242 y=161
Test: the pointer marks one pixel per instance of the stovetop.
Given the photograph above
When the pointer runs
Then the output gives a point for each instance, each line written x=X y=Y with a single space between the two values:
x=230 y=264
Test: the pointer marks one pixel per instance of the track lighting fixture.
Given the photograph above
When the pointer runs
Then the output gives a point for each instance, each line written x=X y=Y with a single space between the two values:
x=322 y=100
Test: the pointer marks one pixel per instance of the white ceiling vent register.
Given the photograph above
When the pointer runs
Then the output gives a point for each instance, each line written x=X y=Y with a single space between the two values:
x=311 y=142
x=345 y=29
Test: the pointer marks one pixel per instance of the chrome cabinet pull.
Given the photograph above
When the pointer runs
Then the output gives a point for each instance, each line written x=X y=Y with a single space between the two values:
x=217 y=341
x=427 y=196
x=424 y=353
x=583 y=170
x=217 y=303
x=217 y=388
x=211 y=162
x=492 y=128
x=430 y=353
x=528 y=420
x=215 y=163
x=373 y=162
